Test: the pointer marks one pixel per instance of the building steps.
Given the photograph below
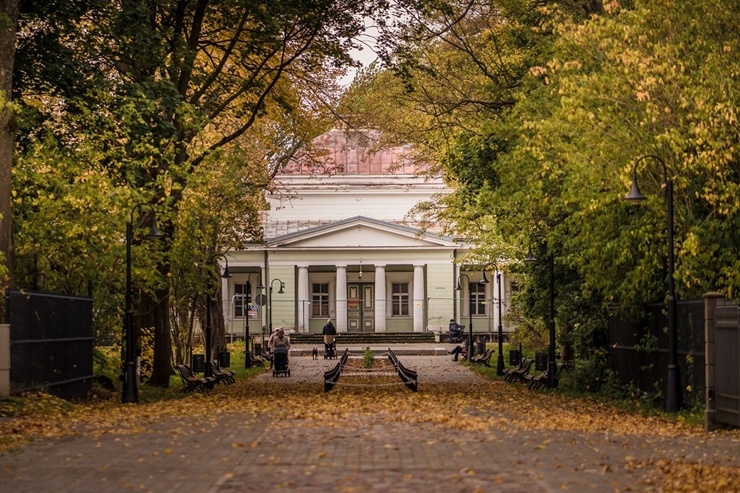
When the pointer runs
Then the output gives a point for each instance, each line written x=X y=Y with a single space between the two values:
x=371 y=338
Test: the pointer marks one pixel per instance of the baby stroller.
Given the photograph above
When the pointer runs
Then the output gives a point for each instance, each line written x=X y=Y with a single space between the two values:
x=280 y=362
x=456 y=334
x=330 y=350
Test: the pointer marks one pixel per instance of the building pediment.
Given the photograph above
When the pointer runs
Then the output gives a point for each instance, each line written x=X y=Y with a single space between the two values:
x=360 y=232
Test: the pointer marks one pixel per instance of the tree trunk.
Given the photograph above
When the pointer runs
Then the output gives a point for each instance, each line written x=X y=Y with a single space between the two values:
x=8 y=30
x=218 y=334
x=162 y=341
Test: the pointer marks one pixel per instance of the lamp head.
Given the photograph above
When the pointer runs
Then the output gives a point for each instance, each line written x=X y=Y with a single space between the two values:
x=154 y=232
x=282 y=286
x=530 y=259
x=635 y=195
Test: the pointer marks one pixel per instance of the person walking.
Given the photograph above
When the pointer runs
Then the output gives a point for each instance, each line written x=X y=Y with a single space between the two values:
x=330 y=334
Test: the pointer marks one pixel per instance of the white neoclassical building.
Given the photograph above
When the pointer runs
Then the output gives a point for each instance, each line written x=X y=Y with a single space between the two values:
x=337 y=246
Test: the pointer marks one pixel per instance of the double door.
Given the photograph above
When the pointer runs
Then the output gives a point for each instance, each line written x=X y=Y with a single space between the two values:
x=361 y=307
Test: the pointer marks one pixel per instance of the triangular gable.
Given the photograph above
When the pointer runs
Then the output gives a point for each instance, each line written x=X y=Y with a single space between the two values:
x=360 y=232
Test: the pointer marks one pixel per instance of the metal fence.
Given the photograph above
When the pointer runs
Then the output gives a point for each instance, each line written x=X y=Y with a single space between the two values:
x=723 y=362
x=639 y=350
x=435 y=312
x=51 y=343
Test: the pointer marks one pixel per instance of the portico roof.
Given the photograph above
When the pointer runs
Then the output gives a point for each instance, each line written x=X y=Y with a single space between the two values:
x=361 y=232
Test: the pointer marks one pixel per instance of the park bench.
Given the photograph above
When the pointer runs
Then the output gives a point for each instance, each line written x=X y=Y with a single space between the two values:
x=484 y=359
x=520 y=372
x=255 y=360
x=221 y=375
x=540 y=380
x=408 y=377
x=192 y=382
x=332 y=376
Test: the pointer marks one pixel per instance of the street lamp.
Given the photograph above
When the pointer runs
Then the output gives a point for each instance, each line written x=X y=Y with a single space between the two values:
x=224 y=275
x=500 y=362
x=673 y=392
x=280 y=291
x=551 y=368
x=471 y=350
x=245 y=310
x=130 y=384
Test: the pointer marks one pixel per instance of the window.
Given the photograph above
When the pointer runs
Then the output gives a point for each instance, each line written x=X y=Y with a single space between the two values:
x=242 y=299
x=400 y=299
x=320 y=299
x=477 y=298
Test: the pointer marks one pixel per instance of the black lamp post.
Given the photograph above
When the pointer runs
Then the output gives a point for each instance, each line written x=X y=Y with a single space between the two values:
x=280 y=291
x=130 y=384
x=500 y=360
x=551 y=368
x=674 y=398
x=245 y=310
x=224 y=275
x=471 y=349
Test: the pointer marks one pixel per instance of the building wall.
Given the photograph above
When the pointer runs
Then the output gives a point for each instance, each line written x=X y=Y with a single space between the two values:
x=440 y=295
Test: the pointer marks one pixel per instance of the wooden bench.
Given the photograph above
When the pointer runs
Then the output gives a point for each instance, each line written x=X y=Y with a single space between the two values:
x=540 y=381
x=520 y=372
x=484 y=359
x=253 y=360
x=192 y=382
x=221 y=375
x=332 y=376
x=408 y=377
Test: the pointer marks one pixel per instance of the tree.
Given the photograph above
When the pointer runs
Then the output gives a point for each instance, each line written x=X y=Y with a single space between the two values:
x=8 y=28
x=163 y=87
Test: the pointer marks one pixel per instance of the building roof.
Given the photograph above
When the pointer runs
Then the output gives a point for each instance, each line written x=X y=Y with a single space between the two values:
x=353 y=152
x=356 y=232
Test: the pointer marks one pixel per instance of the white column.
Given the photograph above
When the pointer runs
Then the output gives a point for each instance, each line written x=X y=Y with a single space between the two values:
x=380 y=298
x=418 y=298
x=303 y=299
x=340 y=299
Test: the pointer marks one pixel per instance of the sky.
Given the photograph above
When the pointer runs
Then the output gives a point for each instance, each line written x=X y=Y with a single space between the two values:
x=366 y=56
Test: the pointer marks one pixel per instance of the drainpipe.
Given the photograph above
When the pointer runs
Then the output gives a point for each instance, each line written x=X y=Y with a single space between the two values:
x=454 y=283
x=266 y=283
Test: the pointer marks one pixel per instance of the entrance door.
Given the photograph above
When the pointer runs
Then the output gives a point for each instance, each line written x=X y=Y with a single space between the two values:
x=361 y=307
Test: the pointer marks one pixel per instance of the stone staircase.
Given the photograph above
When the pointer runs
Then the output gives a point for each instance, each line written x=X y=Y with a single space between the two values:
x=369 y=338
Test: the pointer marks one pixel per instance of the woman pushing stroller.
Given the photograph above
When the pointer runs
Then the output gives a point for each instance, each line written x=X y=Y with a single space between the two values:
x=279 y=343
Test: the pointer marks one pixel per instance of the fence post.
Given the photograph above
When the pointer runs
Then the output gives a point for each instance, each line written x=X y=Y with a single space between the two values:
x=710 y=410
x=4 y=361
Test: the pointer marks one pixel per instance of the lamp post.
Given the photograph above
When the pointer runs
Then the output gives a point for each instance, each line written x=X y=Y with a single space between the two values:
x=471 y=349
x=245 y=308
x=280 y=291
x=551 y=368
x=673 y=391
x=500 y=360
x=130 y=384
x=224 y=275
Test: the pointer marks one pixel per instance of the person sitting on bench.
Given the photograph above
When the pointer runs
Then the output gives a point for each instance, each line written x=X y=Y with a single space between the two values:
x=457 y=350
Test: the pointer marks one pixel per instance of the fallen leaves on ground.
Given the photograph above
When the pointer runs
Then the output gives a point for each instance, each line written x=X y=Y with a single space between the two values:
x=487 y=409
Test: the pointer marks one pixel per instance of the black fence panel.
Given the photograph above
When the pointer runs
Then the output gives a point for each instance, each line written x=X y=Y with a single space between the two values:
x=51 y=343
x=639 y=349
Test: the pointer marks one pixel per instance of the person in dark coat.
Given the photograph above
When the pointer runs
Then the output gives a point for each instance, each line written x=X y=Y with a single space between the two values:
x=330 y=335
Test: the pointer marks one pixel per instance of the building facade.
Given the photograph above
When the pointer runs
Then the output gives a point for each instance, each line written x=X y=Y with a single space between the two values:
x=337 y=246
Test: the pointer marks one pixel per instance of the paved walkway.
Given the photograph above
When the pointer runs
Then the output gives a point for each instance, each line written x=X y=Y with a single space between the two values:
x=254 y=452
